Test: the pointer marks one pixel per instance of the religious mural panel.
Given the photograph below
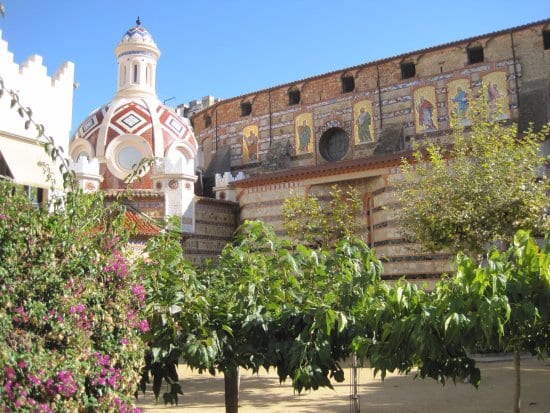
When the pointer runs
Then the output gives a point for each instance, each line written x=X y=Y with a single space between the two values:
x=250 y=144
x=363 y=128
x=497 y=92
x=425 y=109
x=458 y=99
x=304 y=138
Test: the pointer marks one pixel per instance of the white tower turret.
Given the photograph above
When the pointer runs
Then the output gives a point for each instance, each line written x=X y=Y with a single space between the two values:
x=137 y=56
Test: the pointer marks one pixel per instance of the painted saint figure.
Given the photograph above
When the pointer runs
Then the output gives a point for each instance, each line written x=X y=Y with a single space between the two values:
x=425 y=113
x=461 y=102
x=363 y=124
x=304 y=134
x=252 y=146
x=492 y=95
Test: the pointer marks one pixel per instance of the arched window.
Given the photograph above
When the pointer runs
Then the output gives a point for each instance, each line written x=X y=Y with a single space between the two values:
x=135 y=73
x=348 y=84
x=475 y=54
x=246 y=108
x=293 y=97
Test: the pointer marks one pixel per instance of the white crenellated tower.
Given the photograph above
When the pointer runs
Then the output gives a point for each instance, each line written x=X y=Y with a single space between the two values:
x=51 y=99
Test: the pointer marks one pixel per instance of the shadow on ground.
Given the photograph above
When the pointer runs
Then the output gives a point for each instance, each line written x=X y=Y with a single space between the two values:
x=396 y=394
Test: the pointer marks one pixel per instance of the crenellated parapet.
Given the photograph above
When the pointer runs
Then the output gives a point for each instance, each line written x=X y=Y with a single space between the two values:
x=223 y=189
x=227 y=177
x=49 y=97
x=87 y=172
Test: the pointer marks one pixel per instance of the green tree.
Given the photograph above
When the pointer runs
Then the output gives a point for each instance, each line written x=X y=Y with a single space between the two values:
x=270 y=305
x=483 y=188
x=176 y=307
x=503 y=305
x=308 y=220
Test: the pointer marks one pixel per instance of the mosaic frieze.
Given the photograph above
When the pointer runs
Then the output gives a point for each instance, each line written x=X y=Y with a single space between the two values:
x=425 y=109
x=304 y=136
x=475 y=70
x=363 y=128
x=458 y=99
x=250 y=144
x=497 y=92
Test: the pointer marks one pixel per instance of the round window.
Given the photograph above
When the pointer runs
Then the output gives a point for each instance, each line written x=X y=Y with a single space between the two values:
x=334 y=144
x=124 y=153
x=128 y=157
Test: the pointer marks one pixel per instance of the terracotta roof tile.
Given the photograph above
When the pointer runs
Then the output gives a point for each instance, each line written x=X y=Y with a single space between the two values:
x=138 y=221
x=135 y=193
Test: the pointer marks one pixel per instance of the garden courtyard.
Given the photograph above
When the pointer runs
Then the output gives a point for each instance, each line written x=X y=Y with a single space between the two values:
x=396 y=394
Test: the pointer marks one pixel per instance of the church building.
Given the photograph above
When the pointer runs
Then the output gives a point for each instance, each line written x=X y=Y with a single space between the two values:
x=240 y=158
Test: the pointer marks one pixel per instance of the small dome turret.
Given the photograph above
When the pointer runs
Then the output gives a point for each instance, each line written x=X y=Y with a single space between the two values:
x=138 y=35
x=137 y=55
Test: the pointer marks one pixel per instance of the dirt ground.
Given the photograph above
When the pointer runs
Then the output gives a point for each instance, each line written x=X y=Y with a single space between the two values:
x=396 y=394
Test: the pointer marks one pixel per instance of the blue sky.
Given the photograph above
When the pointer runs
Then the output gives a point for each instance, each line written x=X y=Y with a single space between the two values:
x=232 y=47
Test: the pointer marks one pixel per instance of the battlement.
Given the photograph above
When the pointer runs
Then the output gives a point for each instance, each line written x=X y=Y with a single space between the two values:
x=227 y=177
x=85 y=166
x=49 y=97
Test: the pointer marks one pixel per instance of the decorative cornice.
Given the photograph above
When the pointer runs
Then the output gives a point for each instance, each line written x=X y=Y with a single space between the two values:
x=331 y=168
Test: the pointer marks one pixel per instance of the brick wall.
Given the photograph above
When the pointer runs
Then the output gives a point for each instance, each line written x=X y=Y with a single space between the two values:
x=520 y=71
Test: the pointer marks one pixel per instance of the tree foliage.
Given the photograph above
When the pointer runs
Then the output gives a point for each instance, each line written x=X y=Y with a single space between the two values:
x=485 y=187
x=503 y=305
x=308 y=220
x=268 y=304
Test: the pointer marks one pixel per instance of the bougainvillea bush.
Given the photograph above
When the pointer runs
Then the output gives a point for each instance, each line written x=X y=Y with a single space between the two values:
x=70 y=309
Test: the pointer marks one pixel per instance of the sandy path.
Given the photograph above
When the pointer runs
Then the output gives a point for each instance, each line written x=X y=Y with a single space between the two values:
x=396 y=394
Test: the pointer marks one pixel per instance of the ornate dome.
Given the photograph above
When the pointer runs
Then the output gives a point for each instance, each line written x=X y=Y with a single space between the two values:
x=135 y=124
x=125 y=130
x=138 y=34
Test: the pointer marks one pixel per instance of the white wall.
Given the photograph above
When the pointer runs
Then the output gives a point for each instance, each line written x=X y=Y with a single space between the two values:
x=50 y=98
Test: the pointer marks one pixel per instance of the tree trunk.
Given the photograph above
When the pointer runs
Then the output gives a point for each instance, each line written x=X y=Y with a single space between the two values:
x=517 y=390
x=231 y=383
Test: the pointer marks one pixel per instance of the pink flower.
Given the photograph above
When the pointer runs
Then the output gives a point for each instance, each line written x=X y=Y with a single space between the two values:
x=144 y=326
x=22 y=313
x=33 y=379
x=139 y=291
x=10 y=373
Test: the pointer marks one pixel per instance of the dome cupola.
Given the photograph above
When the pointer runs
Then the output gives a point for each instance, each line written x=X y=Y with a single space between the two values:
x=136 y=125
x=137 y=55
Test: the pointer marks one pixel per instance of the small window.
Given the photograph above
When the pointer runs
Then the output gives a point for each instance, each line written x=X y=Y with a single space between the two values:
x=35 y=195
x=475 y=55
x=408 y=70
x=246 y=108
x=135 y=73
x=293 y=97
x=348 y=84
x=546 y=39
x=207 y=121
